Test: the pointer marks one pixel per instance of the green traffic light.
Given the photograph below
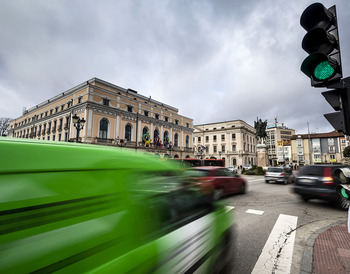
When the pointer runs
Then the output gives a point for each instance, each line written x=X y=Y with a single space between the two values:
x=344 y=194
x=323 y=71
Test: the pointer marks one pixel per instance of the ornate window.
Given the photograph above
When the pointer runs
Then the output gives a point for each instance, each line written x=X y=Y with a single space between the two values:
x=128 y=129
x=176 y=140
x=103 y=128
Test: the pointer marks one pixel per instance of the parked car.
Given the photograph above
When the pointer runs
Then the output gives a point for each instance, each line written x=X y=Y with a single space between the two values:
x=223 y=180
x=319 y=182
x=232 y=169
x=280 y=175
x=76 y=208
x=247 y=167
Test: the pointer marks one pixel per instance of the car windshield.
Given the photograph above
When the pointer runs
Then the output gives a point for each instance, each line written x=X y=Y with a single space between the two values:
x=196 y=173
x=312 y=170
x=275 y=169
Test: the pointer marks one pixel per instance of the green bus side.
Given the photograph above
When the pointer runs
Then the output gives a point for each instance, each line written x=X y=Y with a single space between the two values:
x=76 y=208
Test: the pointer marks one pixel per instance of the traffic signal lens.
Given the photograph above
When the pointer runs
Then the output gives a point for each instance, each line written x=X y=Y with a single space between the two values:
x=344 y=194
x=323 y=71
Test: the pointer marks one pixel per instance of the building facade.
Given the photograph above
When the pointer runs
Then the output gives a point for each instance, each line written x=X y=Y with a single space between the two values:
x=318 y=148
x=234 y=141
x=113 y=115
x=277 y=133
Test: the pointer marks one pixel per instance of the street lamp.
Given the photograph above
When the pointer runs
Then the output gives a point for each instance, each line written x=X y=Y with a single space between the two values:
x=121 y=142
x=78 y=124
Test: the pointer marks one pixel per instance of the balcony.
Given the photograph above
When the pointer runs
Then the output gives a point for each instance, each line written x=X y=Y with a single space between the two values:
x=48 y=130
x=66 y=126
x=104 y=141
x=43 y=132
x=59 y=128
x=54 y=130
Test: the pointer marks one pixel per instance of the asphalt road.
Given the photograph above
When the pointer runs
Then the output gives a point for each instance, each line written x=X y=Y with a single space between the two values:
x=257 y=213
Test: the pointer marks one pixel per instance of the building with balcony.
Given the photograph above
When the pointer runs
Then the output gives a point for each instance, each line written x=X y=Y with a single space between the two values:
x=277 y=133
x=234 y=141
x=318 y=148
x=112 y=114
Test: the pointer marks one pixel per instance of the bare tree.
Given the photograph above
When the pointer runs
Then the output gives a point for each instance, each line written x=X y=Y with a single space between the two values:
x=4 y=126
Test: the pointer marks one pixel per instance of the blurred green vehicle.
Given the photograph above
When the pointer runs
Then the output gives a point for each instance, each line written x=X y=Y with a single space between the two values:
x=73 y=208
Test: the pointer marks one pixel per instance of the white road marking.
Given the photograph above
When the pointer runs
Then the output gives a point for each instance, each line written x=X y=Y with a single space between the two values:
x=255 y=180
x=276 y=256
x=229 y=208
x=252 y=211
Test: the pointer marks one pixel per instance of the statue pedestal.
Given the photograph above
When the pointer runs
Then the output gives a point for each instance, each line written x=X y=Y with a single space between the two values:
x=263 y=159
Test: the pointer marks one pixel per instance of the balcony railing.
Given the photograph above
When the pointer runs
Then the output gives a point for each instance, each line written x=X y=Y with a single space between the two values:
x=66 y=126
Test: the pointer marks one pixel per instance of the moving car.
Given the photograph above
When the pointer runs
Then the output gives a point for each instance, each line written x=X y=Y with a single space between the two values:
x=280 y=175
x=319 y=182
x=223 y=180
x=77 y=208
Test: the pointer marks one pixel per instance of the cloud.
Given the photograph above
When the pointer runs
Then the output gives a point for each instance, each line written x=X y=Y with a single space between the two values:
x=213 y=60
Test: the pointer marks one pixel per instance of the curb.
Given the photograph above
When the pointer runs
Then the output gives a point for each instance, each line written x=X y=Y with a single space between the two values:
x=307 y=261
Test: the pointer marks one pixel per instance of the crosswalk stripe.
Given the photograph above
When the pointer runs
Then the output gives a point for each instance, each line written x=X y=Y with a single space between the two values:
x=253 y=211
x=276 y=256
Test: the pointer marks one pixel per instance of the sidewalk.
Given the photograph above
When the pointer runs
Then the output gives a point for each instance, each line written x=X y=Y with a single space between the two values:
x=328 y=251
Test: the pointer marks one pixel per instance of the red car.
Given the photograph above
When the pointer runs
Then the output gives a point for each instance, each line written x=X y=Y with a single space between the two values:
x=225 y=182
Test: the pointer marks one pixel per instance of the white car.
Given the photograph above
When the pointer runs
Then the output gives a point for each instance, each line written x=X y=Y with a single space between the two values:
x=246 y=167
x=232 y=169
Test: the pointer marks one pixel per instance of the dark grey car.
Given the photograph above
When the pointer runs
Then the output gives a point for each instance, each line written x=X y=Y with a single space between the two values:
x=319 y=182
x=280 y=175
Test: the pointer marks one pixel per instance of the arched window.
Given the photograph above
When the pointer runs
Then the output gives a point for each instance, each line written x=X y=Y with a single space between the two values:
x=166 y=135
x=103 y=128
x=187 y=141
x=234 y=162
x=176 y=140
x=127 y=134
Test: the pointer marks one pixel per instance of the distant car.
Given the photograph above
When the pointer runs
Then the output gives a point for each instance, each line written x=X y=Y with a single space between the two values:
x=279 y=175
x=247 y=167
x=319 y=182
x=232 y=169
x=223 y=180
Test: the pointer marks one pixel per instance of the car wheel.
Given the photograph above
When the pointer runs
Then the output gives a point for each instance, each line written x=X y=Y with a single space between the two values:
x=286 y=181
x=343 y=203
x=217 y=194
x=266 y=181
x=243 y=189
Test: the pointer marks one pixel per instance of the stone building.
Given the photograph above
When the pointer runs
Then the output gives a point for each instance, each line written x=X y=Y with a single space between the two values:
x=318 y=148
x=113 y=116
x=234 y=141
x=277 y=133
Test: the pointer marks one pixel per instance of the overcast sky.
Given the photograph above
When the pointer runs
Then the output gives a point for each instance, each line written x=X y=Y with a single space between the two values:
x=213 y=60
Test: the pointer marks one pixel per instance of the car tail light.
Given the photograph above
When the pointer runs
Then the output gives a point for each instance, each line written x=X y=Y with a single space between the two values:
x=205 y=185
x=327 y=176
x=282 y=174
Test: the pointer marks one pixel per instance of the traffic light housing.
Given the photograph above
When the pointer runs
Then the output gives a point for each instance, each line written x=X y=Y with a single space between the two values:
x=343 y=174
x=321 y=42
x=339 y=100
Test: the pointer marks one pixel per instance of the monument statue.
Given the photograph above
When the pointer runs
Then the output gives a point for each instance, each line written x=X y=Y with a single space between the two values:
x=260 y=128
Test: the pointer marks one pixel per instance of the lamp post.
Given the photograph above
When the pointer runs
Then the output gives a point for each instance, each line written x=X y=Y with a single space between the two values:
x=78 y=124
x=121 y=142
